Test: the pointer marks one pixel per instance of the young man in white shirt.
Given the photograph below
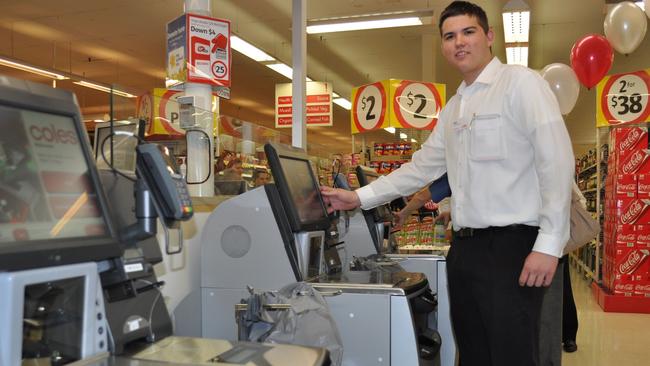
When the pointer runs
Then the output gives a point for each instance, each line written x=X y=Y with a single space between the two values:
x=510 y=165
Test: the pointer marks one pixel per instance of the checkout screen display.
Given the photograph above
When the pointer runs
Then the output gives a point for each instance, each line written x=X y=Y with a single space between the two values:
x=303 y=189
x=46 y=191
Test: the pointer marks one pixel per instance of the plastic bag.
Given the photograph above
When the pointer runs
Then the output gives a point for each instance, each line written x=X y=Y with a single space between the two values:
x=307 y=322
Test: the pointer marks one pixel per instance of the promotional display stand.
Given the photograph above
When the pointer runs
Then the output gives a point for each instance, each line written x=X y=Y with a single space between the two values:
x=621 y=267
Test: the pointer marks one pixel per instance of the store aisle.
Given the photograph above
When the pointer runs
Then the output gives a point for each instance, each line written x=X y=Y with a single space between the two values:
x=607 y=339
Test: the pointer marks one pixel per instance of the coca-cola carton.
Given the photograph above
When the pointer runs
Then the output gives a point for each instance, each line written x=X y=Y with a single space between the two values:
x=629 y=139
x=637 y=162
x=636 y=212
x=642 y=236
x=625 y=236
x=642 y=288
x=643 y=186
x=631 y=264
x=622 y=287
x=625 y=186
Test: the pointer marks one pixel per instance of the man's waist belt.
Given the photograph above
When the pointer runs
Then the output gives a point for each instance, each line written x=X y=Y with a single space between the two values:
x=468 y=232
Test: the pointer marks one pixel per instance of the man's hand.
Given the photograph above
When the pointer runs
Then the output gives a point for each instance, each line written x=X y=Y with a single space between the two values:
x=538 y=270
x=443 y=217
x=339 y=199
x=399 y=218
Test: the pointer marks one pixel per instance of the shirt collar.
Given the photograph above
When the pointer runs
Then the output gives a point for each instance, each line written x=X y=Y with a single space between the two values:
x=487 y=75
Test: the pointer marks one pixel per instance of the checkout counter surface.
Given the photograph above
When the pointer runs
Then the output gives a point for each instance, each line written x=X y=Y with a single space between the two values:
x=397 y=283
x=199 y=351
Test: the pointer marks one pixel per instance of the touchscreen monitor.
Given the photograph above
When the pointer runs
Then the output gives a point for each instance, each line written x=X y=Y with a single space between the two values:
x=52 y=208
x=298 y=188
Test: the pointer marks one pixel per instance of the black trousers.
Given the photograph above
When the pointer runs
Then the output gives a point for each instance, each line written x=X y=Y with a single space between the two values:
x=569 y=311
x=495 y=321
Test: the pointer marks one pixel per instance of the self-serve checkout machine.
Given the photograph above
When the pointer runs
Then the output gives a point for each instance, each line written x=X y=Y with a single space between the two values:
x=367 y=228
x=59 y=256
x=280 y=233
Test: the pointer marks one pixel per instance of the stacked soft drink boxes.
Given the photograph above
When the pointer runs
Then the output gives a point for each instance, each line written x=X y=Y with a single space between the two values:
x=626 y=240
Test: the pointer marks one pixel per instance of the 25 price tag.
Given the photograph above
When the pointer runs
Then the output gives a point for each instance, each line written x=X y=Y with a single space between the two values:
x=625 y=98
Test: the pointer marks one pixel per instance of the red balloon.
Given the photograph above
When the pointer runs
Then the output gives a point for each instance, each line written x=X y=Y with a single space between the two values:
x=591 y=59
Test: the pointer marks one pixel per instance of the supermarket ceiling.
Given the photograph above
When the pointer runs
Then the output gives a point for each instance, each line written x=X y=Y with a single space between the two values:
x=123 y=42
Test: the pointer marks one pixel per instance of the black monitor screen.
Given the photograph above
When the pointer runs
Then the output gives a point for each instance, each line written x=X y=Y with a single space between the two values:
x=44 y=184
x=52 y=207
x=303 y=189
x=298 y=187
x=366 y=175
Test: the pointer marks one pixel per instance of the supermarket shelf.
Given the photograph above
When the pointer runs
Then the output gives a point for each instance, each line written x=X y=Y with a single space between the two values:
x=390 y=157
x=588 y=171
x=591 y=190
x=619 y=304
x=424 y=247
x=581 y=266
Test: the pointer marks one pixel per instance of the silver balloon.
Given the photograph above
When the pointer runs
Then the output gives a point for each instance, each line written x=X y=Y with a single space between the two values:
x=625 y=26
x=564 y=84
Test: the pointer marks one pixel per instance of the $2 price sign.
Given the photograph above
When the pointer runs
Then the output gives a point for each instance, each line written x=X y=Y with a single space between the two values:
x=416 y=104
x=624 y=98
x=369 y=107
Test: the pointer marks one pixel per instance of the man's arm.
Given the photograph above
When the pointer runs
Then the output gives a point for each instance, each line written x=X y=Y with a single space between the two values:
x=418 y=200
x=427 y=165
x=554 y=164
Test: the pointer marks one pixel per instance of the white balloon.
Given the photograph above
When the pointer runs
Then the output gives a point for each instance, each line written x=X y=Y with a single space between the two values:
x=564 y=84
x=625 y=26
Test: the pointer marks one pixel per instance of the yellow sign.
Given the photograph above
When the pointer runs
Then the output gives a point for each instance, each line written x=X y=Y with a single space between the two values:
x=623 y=99
x=396 y=103
x=160 y=111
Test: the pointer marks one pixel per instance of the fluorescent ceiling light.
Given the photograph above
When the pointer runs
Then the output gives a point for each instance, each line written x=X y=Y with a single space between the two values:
x=402 y=135
x=106 y=89
x=249 y=50
x=33 y=69
x=414 y=140
x=343 y=103
x=363 y=24
x=517 y=55
x=334 y=95
x=282 y=69
x=516 y=26
x=390 y=129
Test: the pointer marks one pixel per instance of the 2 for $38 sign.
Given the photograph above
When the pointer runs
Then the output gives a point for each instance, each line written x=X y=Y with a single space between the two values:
x=623 y=98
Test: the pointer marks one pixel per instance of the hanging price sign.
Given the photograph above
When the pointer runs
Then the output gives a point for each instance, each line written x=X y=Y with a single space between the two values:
x=416 y=104
x=369 y=106
x=623 y=98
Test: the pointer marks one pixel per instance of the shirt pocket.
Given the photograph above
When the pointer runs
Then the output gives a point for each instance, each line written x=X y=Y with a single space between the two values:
x=487 y=140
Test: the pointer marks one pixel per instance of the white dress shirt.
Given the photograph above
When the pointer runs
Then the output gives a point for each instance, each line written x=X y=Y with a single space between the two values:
x=507 y=152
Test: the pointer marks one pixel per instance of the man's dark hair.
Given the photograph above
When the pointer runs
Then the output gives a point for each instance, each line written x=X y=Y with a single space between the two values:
x=464 y=8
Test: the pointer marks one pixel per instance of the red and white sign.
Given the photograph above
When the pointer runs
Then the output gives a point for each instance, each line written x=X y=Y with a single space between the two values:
x=369 y=107
x=208 y=50
x=417 y=104
x=318 y=104
x=625 y=98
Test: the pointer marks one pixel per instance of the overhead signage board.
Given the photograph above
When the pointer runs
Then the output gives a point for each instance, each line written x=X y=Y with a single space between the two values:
x=198 y=50
x=623 y=99
x=318 y=104
x=396 y=103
